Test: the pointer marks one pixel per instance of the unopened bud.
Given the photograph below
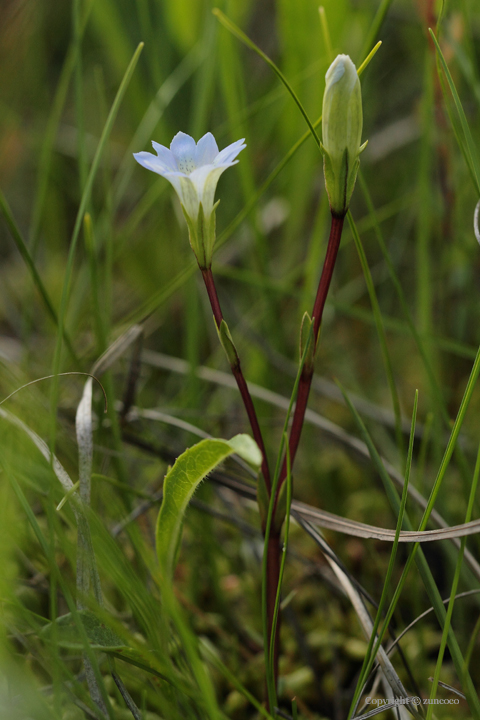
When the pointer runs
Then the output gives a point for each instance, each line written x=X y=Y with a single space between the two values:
x=342 y=122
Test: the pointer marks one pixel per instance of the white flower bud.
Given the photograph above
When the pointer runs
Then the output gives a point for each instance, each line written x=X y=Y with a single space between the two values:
x=342 y=121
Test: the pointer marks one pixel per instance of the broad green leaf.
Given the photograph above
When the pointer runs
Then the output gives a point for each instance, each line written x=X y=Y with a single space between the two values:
x=182 y=481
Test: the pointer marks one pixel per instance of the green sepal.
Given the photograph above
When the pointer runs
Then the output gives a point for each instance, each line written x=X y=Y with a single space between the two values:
x=210 y=232
x=305 y=334
x=336 y=183
x=343 y=197
x=329 y=176
x=194 y=239
x=201 y=234
x=263 y=499
x=352 y=178
x=226 y=340
x=340 y=186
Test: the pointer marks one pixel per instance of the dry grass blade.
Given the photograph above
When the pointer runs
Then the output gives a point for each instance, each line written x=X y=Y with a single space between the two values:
x=376 y=711
x=126 y=697
x=83 y=424
x=357 y=529
x=468 y=593
x=50 y=377
x=450 y=688
x=58 y=468
x=330 y=521
x=65 y=481
x=86 y=564
x=116 y=349
x=159 y=416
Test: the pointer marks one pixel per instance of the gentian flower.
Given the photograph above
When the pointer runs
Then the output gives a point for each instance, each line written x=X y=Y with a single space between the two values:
x=194 y=170
x=342 y=121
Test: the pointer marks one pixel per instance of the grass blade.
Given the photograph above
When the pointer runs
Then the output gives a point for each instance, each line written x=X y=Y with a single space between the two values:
x=416 y=552
x=235 y=30
x=370 y=656
x=453 y=592
x=30 y=263
x=473 y=160
x=78 y=224
x=380 y=332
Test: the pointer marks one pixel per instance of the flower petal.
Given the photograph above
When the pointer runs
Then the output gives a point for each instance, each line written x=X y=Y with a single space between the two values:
x=205 y=180
x=184 y=151
x=207 y=150
x=151 y=162
x=193 y=169
x=230 y=152
x=166 y=156
x=186 y=191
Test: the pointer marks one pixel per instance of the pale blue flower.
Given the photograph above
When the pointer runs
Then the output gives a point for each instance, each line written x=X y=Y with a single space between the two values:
x=194 y=170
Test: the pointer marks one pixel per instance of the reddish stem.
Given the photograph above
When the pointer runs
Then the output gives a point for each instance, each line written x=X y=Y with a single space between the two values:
x=212 y=295
x=238 y=375
x=307 y=374
x=327 y=272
